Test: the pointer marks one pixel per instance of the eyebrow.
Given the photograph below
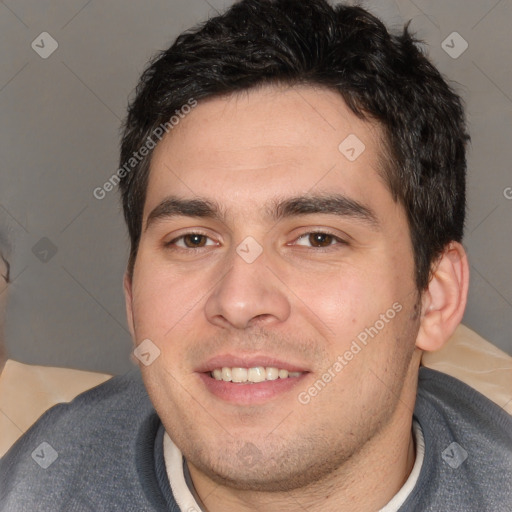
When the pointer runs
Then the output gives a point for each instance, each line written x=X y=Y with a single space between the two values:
x=176 y=207
x=332 y=204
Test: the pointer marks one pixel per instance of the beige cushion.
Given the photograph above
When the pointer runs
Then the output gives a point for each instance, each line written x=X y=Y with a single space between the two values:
x=473 y=360
x=27 y=391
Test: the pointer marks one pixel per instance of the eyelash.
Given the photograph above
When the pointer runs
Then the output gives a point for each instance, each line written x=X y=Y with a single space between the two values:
x=170 y=244
x=338 y=241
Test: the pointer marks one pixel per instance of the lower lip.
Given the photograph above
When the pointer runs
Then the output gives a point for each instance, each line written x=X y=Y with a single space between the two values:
x=248 y=394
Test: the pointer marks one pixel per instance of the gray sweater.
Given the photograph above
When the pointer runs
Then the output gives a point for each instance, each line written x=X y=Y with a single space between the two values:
x=104 y=452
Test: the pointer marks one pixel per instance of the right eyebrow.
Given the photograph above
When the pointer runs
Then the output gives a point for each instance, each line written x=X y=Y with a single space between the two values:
x=175 y=207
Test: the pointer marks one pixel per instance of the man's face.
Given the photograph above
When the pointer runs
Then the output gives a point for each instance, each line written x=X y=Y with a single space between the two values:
x=282 y=250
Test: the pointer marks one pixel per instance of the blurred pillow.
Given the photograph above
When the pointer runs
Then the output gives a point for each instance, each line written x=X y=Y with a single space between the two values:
x=473 y=360
x=26 y=391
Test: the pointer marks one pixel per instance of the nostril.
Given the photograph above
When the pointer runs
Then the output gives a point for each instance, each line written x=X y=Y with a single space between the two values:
x=262 y=319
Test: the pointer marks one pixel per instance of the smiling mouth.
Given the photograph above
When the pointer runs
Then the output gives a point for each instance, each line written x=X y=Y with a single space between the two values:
x=252 y=375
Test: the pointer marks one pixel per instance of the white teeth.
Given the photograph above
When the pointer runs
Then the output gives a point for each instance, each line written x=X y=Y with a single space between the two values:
x=226 y=374
x=238 y=374
x=272 y=373
x=255 y=374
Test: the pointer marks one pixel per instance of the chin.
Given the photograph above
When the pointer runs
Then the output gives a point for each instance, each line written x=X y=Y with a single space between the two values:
x=255 y=471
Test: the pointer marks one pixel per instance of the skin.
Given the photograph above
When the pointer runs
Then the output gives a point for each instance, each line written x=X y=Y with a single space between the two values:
x=299 y=301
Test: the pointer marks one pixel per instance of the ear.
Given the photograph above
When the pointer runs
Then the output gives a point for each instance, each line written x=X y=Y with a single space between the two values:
x=444 y=301
x=128 y=298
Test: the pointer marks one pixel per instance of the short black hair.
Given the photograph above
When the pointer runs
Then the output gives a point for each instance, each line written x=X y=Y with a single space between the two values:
x=382 y=77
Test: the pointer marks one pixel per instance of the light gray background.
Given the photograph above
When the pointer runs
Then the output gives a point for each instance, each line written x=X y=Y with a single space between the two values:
x=60 y=120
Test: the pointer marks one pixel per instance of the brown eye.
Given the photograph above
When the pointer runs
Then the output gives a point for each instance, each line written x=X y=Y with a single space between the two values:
x=191 y=241
x=320 y=239
x=194 y=240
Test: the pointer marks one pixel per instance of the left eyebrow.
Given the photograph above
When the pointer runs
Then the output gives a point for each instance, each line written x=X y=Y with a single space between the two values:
x=332 y=204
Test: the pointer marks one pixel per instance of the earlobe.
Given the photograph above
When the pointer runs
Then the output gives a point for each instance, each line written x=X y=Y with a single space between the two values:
x=127 y=287
x=444 y=301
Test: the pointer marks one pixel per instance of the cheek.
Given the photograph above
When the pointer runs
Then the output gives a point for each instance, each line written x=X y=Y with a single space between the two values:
x=164 y=303
x=347 y=300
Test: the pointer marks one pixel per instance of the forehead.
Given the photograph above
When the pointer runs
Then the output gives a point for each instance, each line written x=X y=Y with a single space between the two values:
x=244 y=147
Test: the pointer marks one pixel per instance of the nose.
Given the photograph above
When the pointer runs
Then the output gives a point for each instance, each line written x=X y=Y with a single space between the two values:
x=249 y=295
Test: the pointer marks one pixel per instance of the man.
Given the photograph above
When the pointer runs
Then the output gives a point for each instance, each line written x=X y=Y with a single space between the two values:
x=293 y=181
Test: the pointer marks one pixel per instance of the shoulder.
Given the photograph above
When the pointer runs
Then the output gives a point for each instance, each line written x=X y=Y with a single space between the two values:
x=98 y=443
x=446 y=399
x=469 y=357
x=468 y=447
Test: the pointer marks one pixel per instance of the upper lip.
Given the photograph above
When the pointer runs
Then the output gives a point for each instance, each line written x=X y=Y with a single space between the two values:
x=248 y=361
